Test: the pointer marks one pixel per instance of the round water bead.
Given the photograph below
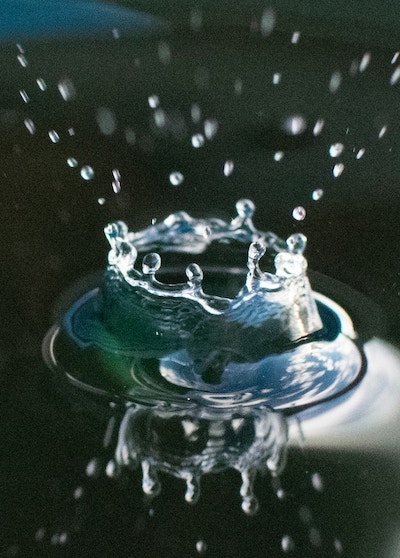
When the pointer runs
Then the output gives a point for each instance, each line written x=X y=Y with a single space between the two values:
x=299 y=213
x=72 y=162
x=87 y=172
x=176 y=178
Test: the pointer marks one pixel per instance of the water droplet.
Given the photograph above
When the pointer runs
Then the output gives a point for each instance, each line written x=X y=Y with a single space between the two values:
x=20 y=48
x=382 y=131
x=319 y=126
x=101 y=201
x=116 y=182
x=93 y=467
x=30 y=125
x=281 y=494
x=360 y=153
x=106 y=121
x=210 y=128
x=71 y=131
x=338 y=546
x=78 y=493
x=395 y=76
x=238 y=87
x=395 y=57
x=54 y=137
x=287 y=543
x=72 y=162
x=40 y=534
x=87 y=172
x=295 y=37
x=196 y=19
x=153 y=101
x=365 y=60
x=353 y=67
x=278 y=156
x=41 y=84
x=164 y=53
x=130 y=136
x=335 y=82
x=338 y=170
x=305 y=515
x=67 y=89
x=24 y=95
x=294 y=125
x=176 y=178
x=198 y=140
x=116 y=34
x=317 y=482
x=228 y=168
x=111 y=469
x=314 y=536
x=276 y=79
x=22 y=60
x=267 y=23
x=317 y=194
x=63 y=538
x=154 y=220
x=195 y=113
x=299 y=213
x=336 y=149
x=201 y=547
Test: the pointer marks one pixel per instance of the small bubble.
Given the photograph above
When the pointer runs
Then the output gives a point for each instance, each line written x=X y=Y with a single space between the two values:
x=54 y=137
x=382 y=131
x=198 y=140
x=295 y=37
x=24 y=95
x=164 y=53
x=87 y=172
x=101 y=201
x=338 y=170
x=267 y=23
x=336 y=149
x=116 y=34
x=210 y=128
x=195 y=113
x=335 y=81
x=317 y=482
x=176 y=178
x=319 y=126
x=201 y=547
x=30 y=125
x=360 y=153
x=22 y=60
x=395 y=57
x=41 y=84
x=72 y=162
x=67 y=89
x=317 y=194
x=276 y=78
x=287 y=543
x=40 y=534
x=106 y=121
x=294 y=125
x=228 y=167
x=196 y=19
x=238 y=87
x=299 y=213
x=278 y=156
x=365 y=60
x=395 y=76
x=153 y=101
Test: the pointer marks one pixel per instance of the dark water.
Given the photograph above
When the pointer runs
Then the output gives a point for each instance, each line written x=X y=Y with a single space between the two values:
x=52 y=236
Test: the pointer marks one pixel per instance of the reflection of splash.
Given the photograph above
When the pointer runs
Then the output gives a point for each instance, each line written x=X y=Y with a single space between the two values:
x=189 y=446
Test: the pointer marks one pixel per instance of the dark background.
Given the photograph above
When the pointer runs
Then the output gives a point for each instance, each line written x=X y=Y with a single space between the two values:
x=51 y=236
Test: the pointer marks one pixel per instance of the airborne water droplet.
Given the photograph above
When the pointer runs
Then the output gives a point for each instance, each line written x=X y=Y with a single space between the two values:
x=195 y=113
x=153 y=101
x=201 y=546
x=336 y=149
x=319 y=126
x=295 y=125
x=382 y=131
x=287 y=543
x=67 y=89
x=278 y=156
x=317 y=482
x=41 y=84
x=395 y=76
x=30 y=125
x=164 y=53
x=22 y=60
x=276 y=79
x=24 y=95
x=295 y=37
x=365 y=60
x=198 y=140
x=299 y=213
x=228 y=168
x=54 y=137
x=101 y=201
x=338 y=170
x=317 y=194
x=210 y=128
x=176 y=178
x=267 y=22
x=395 y=57
x=72 y=162
x=238 y=87
x=87 y=172
x=335 y=81
x=106 y=121
x=360 y=153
